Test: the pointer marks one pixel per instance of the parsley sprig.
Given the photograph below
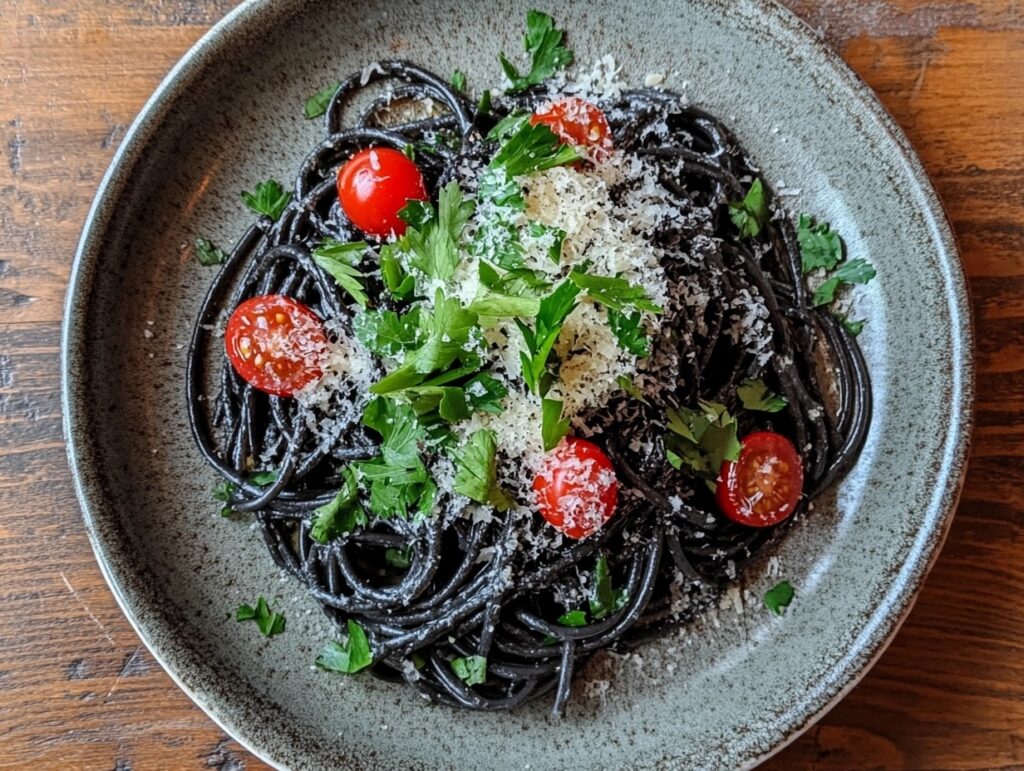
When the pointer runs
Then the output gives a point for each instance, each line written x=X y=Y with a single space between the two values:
x=540 y=340
x=472 y=670
x=754 y=395
x=822 y=248
x=604 y=599
x=208 y=254
x=544 y=45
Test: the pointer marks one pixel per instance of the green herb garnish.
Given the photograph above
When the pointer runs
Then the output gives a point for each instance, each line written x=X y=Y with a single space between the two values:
x=208 y=254
x=342 y=514
x=820 y=246
x=630 y=333
x=856 y=271
x=750 y=214
x=853 y=327
x=398 y=558
x=317 y=104
x=459 y=80
x=223 y=492
x=702 y=439
x=631 y=388
x=754 y=395
x=553 y=427
x=340 y=260
x=472 y=670
x=385 y=333
x=476 y=471
x=613 y=292
x=778 y=597
x=270 y=199
x=544 y=45
x=349 y=656
x=540 y=340
x=433 y=237
x=269 y=623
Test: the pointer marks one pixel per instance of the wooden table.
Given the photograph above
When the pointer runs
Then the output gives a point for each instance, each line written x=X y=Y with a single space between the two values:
x=78 y=689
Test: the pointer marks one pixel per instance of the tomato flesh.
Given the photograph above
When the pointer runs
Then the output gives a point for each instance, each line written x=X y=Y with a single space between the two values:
x=763 y=486
x=578 y=123
x=374 y=185
x=275 y=343
x=576 y=488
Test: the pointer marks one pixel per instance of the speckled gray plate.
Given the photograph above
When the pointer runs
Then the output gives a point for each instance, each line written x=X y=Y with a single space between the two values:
x=731 y=690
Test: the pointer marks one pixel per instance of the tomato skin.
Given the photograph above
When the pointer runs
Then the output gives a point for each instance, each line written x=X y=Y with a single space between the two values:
x=763 y=486
x=578 y=123
x=374 y=185
x=561 y=488
x=275 y=343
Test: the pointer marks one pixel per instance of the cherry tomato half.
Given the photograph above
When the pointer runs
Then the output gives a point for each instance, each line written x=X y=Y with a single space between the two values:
x=374 y=185
x=275 y=343
x=578 y=123
x=763 y=486
x=576 y=487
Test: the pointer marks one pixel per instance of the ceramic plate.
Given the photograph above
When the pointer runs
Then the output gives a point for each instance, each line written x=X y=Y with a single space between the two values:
x=731 y=690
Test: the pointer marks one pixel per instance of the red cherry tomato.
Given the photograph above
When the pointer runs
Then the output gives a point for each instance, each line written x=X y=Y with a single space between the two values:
x=275 y=343
x=578 y=123
x=763 y=486
x=576 y=488
x=374 y=185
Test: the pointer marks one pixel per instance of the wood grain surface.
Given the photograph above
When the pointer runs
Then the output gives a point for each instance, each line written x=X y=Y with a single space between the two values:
x=77 y=688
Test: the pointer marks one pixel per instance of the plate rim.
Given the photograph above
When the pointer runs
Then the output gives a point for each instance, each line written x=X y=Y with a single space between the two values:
x=888 y=617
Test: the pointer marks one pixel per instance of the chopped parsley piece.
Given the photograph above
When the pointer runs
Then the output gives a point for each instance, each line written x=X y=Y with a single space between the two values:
x=551 y=314
x=630 y=333
x=856 y=271
x=343 y=514
x=317 y=104
x=347 y=657
x=483 y=107
x=820 y=246
x=605 y=598
x=476 y=471
x=445 y=333
x=398 y=558
x=385 y=333
x=573 y=618
x=553 y=427
x=459 y=80
x=778 y=597
x=472 y=670
x=613 y=292
x=208 y=254
x=631 y=388
x=223 y=492
x=485 y=393
x=702 y=439
x=340 y=261
x=540 y=231
x=270 y=199
x=754 y=395
x=507 y=126
x=853 y=327
x=398 y=282
x=544 y=45
x=269 y=623
x=750 y=214
x=263 y=478
x=432 y=237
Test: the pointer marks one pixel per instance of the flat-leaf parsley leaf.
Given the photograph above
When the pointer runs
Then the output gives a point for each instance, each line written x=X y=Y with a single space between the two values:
x=317 y=104
x=820 y=246
x=750 y=214
x=476 y=471
x=208 y=254
x=269 y=199
x=472 y=670
x=754 y=395
x=340 y=260
x=349 y=656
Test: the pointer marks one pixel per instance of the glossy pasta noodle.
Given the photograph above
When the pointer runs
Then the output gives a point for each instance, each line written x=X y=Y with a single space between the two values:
x=464 y=587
